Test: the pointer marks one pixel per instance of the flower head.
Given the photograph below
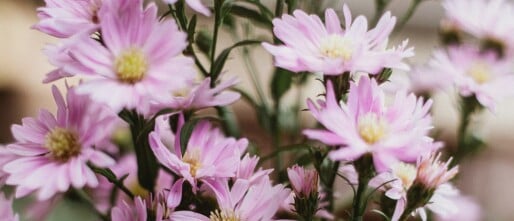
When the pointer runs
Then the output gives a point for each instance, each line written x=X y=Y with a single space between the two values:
x=398 y=132
x=246 y=170
x=310 y=45
x=140 y=57
x=489 y=20
x=52 y=152
x=304 y=181
x=247 y=202
x=431 y=172
x=476 y=73
x=208 y=154
x=156 y=207
x=193 y=95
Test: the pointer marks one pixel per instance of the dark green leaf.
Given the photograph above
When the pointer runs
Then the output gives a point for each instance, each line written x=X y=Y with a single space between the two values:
x=250 y=14
x=280 y=83
x=191 y=29
x=204 y=41
x=106 y=172
x=185 y=133
x=218 y=64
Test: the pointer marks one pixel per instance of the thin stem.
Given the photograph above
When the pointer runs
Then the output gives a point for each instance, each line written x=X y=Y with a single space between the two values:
x=217 y=23
x=406 y=17
x=250 y=66
x=365 y=169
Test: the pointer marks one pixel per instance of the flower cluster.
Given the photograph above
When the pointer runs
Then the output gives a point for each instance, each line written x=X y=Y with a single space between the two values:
x=129 y=138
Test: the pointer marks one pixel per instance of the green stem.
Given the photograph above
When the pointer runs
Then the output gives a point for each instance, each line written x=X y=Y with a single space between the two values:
x=364 y=167
x=217 y=23
x=469 y=105
x=87 y=200
x=406 y=17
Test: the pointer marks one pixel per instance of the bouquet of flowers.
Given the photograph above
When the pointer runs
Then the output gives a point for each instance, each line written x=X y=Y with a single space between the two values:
x=134 y=139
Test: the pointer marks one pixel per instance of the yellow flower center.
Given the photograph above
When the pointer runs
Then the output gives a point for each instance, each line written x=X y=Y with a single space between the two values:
x=406 y=173
x=480 y=73
x=131 y=65
x=193 y=158
x=336 y=46
x=371 y=128
x=224 y=215
x=62 y=143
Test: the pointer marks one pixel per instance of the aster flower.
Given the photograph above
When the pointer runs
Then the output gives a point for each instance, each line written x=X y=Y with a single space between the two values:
x=195 y=5
x=432 y=172
x=65 y=18
x=192 y=95
x=247 y=202
x=209 y=154
x=304 y=181
x=420 y=187
x=424 y=80
x=53 y=151
x=310 y=45
x=398 y=132
x=306 y=201
x=476 y=73
x=6 y=211
x=157 y=207
x=489 y=20
x=467 y=209
x=142 y=57
x=246 y=170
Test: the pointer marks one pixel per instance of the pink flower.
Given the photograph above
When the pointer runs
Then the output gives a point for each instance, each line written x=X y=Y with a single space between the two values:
x=429 y=174
x=476 y=73
x=484 y=19
x=195 y=5
x=6 y=211
x=304 y=181
x=365 y=125
x=158 y=206
x=432 y=172
x=424 y=80
x=142 y=57
x=209 y=154
x=65 y=18
x=310 y=45
x=467 y=209
x=53 y=151
x=246 y=170
x=247 y=202
x=193 y=96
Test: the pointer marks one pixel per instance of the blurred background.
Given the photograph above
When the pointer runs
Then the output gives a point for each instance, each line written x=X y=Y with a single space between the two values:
x=487 y=176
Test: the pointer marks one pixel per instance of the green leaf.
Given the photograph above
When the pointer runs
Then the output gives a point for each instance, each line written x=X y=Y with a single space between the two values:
x=185 y=133
x=280 y=83
x=218 y=64
x=191 y=29
x=106 y=172
x=204 y=41
x=250 y=14
x=381 y=214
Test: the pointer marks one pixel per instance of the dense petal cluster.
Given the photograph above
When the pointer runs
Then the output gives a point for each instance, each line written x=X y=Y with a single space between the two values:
x=489 y=20
x=136 y=58
x=364 y=124
x=53 y=151
x=310 y=45
x=475 y=73
x=243 y=201
x=208 y=154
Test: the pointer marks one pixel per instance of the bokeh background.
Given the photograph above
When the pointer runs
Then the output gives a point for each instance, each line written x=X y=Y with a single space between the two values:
x=487 y=176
